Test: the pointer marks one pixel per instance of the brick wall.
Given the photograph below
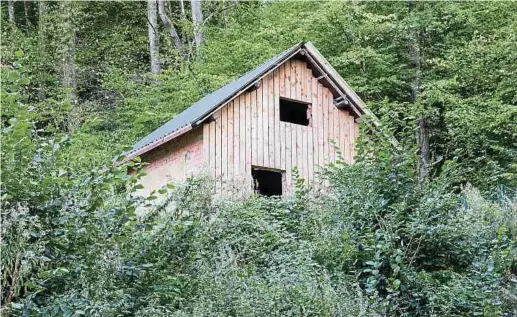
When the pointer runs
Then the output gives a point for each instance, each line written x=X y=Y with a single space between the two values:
x=173 y=161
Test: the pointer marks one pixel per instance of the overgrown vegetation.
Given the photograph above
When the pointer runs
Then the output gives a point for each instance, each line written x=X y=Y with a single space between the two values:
x=381 y=242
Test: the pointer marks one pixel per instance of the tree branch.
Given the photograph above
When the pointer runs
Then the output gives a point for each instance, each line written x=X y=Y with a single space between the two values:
x=168 y=24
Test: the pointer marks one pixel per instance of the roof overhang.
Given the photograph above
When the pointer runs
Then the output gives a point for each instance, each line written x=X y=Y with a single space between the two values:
x=154 y=144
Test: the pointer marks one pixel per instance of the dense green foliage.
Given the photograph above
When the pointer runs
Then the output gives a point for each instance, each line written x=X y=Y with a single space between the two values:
x=379 y=243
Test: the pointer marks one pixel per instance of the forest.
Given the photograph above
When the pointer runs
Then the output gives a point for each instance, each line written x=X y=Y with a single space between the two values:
x=423 y=226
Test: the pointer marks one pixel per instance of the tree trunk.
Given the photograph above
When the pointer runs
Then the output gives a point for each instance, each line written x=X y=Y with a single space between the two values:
x=197 y=19
x=422 y=138
x=69 y=72
x=168 y=24
x=41 y=46
x=153 y=37
x=10 y=10
x=421 y=131
x=225 y=17
x=182 y=8
x=26 y=11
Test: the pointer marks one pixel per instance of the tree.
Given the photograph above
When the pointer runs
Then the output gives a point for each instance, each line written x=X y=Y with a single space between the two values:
x=10 y=10
x=69 y=38
x=182 y=10
x=41 y=45
x=197 y=19
x=26 y=5
x=421 y=131
x=153 y=37
x=169 y=26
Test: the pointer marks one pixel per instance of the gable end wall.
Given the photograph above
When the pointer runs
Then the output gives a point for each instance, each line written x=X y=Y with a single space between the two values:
x=248 y=132
x=173 y=161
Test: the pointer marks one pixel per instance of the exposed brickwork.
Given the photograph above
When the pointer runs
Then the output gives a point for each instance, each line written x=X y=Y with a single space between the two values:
x=174 y=160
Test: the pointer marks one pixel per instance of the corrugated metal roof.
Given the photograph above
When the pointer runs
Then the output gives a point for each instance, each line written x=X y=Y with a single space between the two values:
x=210 y=102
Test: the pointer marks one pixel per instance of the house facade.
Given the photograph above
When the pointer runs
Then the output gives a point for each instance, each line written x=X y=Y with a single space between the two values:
x=292 y=112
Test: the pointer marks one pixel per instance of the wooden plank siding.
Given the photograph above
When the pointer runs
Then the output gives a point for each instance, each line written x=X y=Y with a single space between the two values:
x=248 y=132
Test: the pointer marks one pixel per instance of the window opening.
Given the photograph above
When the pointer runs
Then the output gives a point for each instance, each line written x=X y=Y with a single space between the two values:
x=294 y=112
x=267 y=182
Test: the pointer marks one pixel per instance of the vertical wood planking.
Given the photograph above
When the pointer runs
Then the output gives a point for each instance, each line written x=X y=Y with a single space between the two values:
x=331 y=127
x=230 y=134
x=308 y=83
x=356 y=136
x=321 y=153
x=224 y=144
x=254 y=121
x=212 y=149
x=282 y=132
x=281 y=80
x=302 y=74
x=292 y=80
x=310 y=154
x=242 y=138
x=299 y=148
x=346 y=137
x=288 y=134
x=303 y=96
x=343 y=126
x=248 y=138
x=300 y=89
x=303 y=145
x=310 y=130
x=282 y=129
x=288 y=156
x=218 y=152
x=325 y=126
x=271 y=119
x=294 y=130
x=265 y=120
x=294 y=157
x=206 y=145
x=236 y=141
x=287 y=79
x=352 y=138
x=337 y=114
x=276 y=119
x=315 y=118
x=260 y=128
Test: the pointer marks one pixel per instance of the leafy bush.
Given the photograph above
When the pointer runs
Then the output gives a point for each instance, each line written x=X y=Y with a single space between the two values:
x=73 y=239
x=374 y=243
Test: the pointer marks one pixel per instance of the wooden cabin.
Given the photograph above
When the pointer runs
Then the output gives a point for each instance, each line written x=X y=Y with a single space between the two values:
x=293 y=111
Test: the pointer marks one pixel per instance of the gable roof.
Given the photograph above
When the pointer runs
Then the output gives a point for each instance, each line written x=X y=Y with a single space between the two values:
x=206 y=106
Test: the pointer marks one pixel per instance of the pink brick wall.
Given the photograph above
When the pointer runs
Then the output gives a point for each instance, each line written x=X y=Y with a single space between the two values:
x=173 y=161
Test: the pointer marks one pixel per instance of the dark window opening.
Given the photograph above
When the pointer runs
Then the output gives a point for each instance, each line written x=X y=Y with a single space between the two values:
x=294 y=112
x=266 y=182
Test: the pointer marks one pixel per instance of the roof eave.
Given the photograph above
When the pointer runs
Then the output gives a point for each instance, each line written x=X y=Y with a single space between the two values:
x=358 y=104
x=155 y=144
